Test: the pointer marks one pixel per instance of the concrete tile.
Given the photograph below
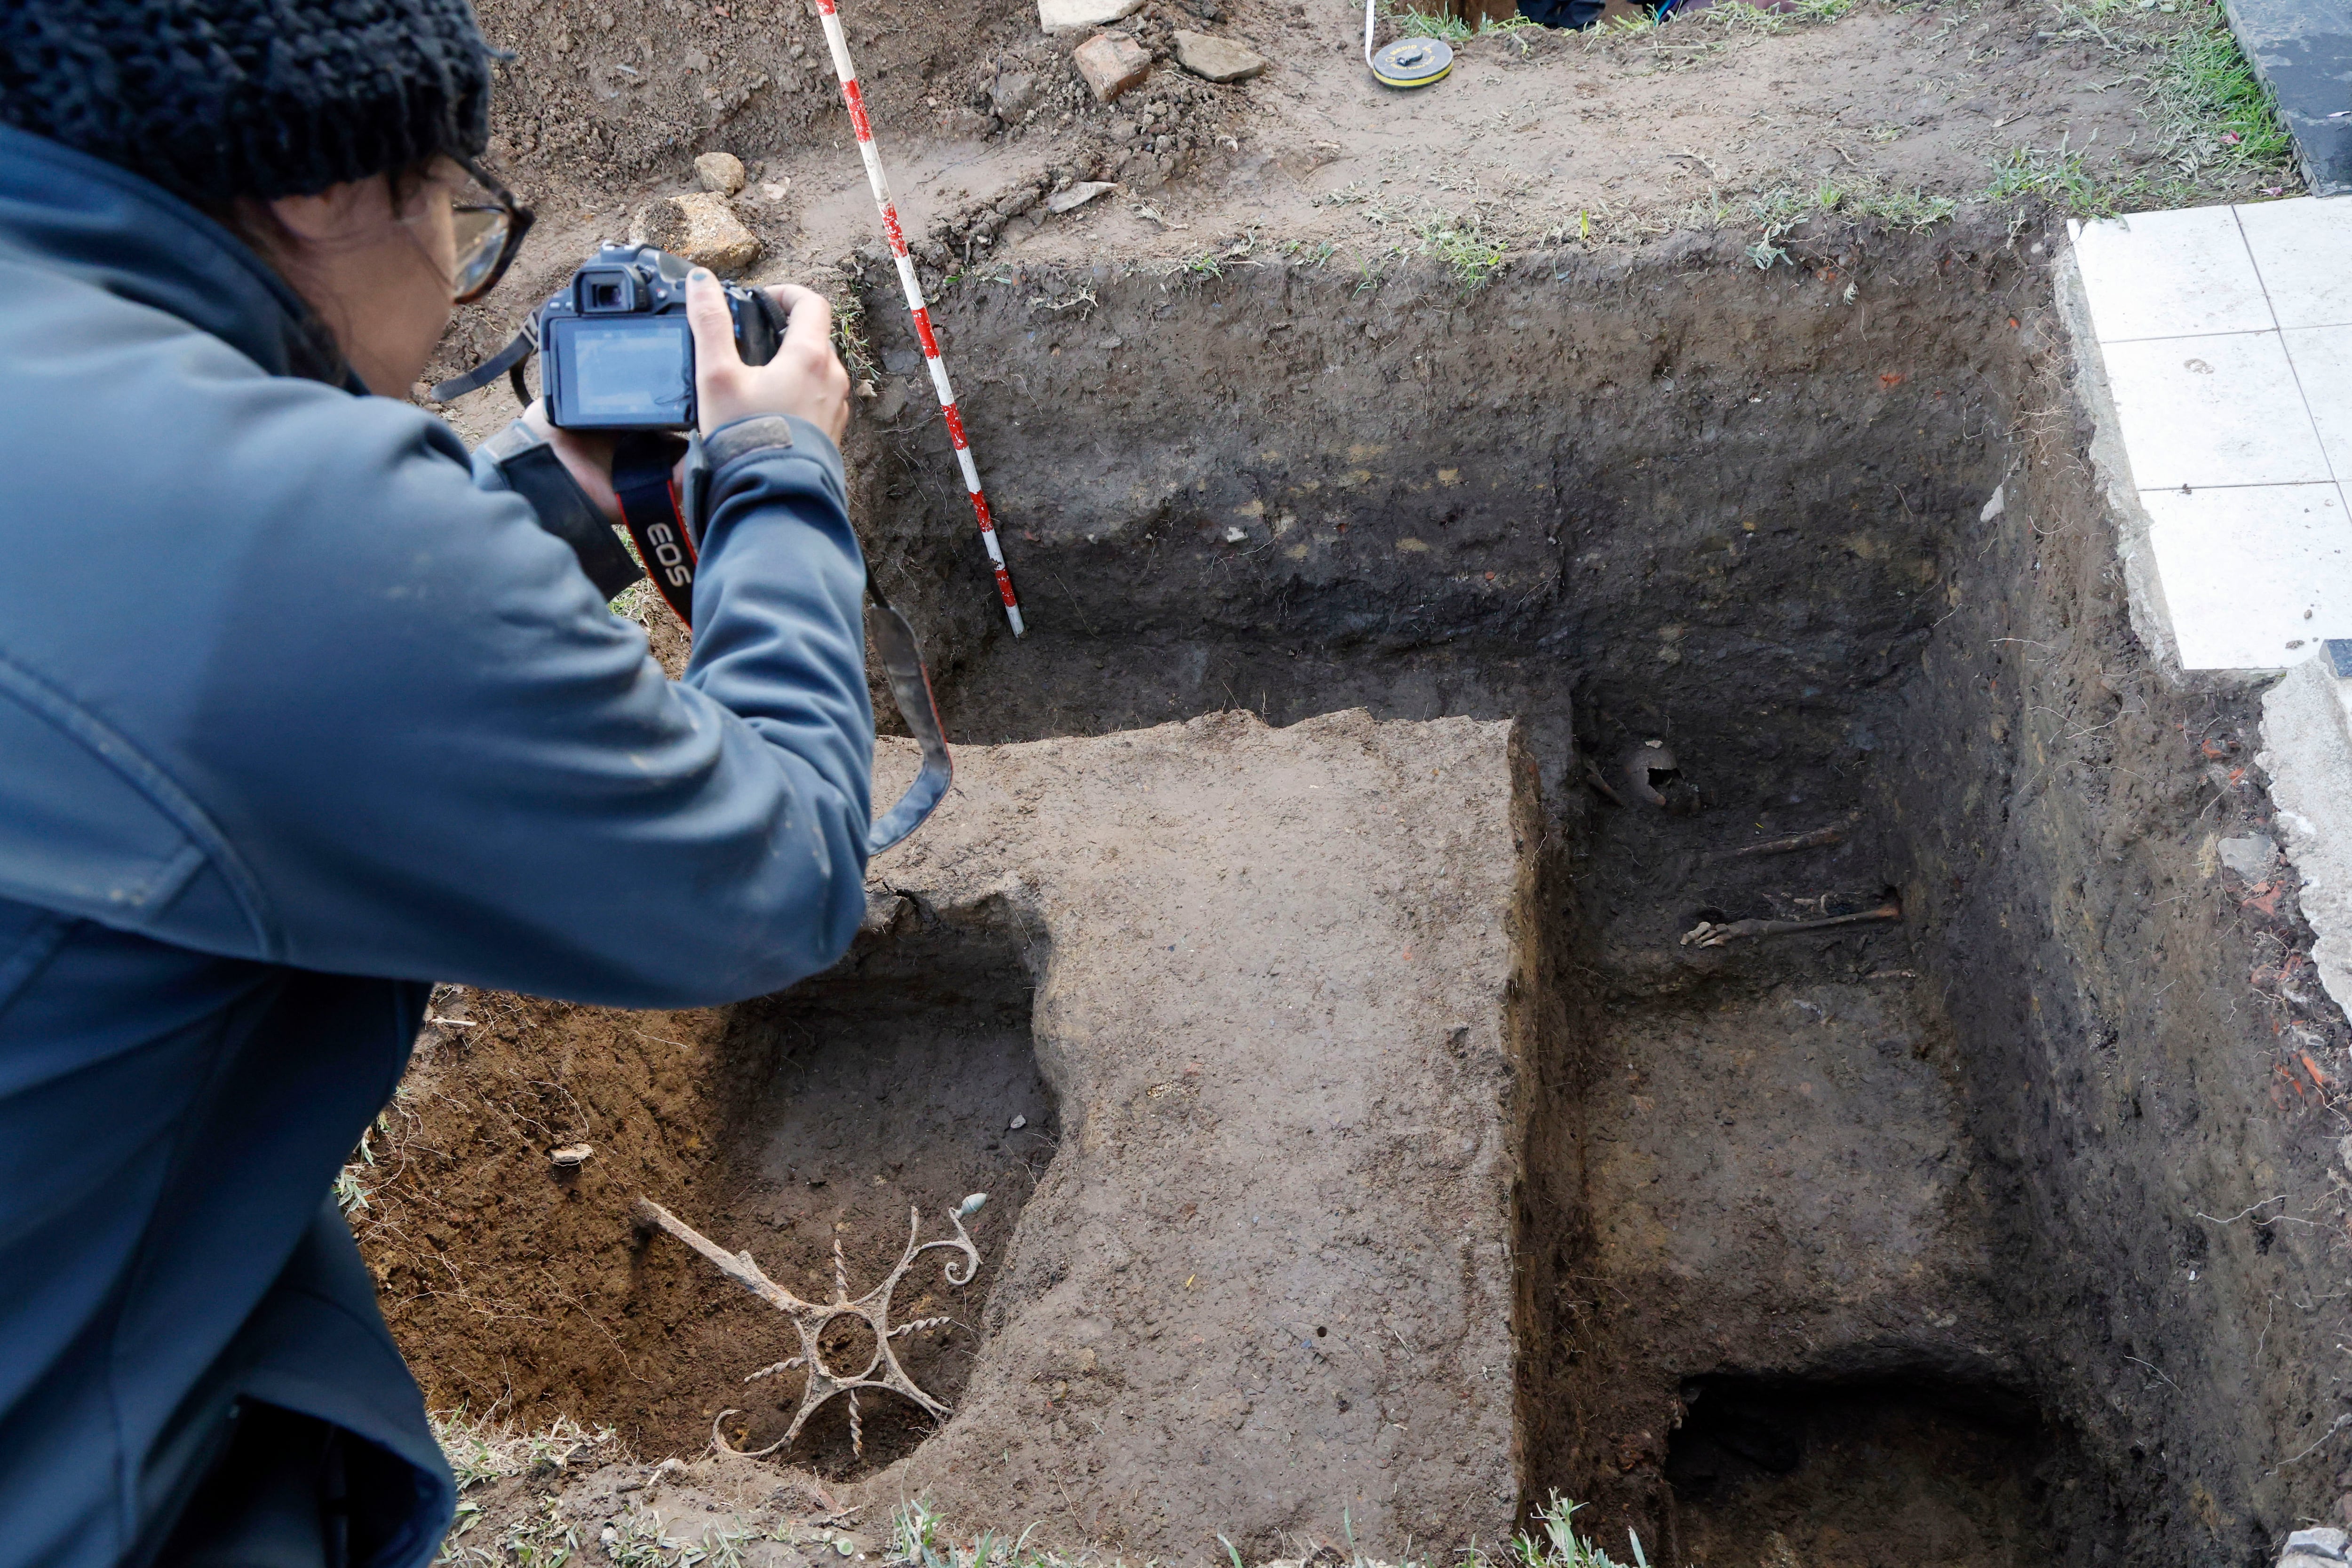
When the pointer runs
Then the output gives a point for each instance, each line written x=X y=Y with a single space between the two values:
x=2212 y=410
x=2168 y=275
x=2301 y=249
x=2242 y=567
x=2323 y=363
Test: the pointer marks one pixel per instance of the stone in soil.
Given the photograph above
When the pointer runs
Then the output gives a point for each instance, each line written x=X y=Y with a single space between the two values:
x=1076 y=16
x=1011 y=94
x=1284 y=1031
x=1217 y=59
x=1111 y=63
x=721 y=172
x=2251 y=856
x=701 y=227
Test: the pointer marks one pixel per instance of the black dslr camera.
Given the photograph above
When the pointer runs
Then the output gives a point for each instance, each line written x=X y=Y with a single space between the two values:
x=615 y=352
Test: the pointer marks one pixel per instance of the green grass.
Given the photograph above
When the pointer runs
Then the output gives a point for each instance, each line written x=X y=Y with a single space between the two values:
x=350 y=1189
x=1557 y=1544
x=479 y=1452
x=1739 y=17
x=2217 y=135
x=1413 y=23
x=1467 y=253
x=1727 y=16
x=2211 y=87
x=2065 y=180
x=1855 y=198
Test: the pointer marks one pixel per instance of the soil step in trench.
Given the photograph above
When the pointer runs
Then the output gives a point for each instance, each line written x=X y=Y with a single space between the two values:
x=1799 y=1145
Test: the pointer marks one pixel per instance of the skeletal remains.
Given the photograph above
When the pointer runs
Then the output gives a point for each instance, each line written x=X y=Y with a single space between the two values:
x=1715 y=934
x=811 y=1318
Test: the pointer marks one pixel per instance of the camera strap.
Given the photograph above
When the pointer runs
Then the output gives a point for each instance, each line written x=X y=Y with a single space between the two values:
x=645 y=470
x=508 y=362
x=645 y=477
x=910 y=690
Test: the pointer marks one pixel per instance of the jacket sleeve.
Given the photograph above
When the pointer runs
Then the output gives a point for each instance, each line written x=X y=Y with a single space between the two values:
x=421 y=745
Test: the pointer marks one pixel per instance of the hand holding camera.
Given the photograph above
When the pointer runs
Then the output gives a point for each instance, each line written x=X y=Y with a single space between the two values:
x=806 y=378
x=638 y=342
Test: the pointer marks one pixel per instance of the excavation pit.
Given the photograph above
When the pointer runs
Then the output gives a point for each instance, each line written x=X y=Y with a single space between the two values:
x=1417 y=1153
x=905 y=1080
x=1850 y=1476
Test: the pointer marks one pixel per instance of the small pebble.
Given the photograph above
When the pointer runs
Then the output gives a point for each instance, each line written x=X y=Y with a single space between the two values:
x=1019 y=1122
x=719 y=172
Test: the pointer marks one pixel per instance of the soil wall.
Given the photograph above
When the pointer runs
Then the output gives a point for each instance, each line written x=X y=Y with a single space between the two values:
x=2151 y=1064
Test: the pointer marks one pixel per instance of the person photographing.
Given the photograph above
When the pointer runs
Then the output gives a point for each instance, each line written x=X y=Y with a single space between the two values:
x=302 y=706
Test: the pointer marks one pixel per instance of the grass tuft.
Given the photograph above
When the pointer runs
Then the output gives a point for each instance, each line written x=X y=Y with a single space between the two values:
x=1557 y=1544
x=2216 y=101
x=1739 y=16
x=2060 y=177
x=1413 y=23
x=1856 y=198
x=480 y=1451
x=1463 y=246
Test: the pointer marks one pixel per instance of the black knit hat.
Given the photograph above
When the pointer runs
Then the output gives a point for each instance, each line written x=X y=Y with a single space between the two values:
x=218 y=99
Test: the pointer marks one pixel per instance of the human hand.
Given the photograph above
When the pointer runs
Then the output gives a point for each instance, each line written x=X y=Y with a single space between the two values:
x=806 y=378
x=586 y=455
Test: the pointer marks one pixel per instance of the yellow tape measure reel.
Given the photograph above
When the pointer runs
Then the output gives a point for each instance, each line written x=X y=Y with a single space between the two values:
x=1406 y=62
x=1412 y=62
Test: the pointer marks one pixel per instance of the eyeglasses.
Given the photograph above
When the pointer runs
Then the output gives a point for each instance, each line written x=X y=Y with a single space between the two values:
x=489 y=224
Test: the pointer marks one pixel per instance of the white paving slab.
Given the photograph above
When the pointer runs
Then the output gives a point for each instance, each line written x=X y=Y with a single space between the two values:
x=2222 y=408
x=2168 y=275
x=2216 y=346
x=2299 y=251
x=2255 y=575
x=2223 y=342
x=2323 y=368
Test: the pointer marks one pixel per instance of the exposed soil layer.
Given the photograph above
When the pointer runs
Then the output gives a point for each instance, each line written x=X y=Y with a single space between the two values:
x=898 y=1082
x=2002 y=1232
x=1571 y=141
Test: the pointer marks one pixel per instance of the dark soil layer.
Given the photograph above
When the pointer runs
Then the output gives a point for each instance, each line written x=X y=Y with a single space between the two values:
x=1956 y=1208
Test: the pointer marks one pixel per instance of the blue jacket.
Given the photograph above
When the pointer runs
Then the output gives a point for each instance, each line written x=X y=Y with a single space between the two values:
x=294 y=719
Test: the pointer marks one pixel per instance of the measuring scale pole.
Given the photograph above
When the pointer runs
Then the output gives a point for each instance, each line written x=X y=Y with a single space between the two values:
x=839 y=45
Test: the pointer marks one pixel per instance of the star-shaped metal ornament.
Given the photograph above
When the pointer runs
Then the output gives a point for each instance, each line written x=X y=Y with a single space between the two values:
x=882 y=1371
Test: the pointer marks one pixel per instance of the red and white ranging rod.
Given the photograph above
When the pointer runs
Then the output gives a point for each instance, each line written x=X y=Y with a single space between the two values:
x=914 y=289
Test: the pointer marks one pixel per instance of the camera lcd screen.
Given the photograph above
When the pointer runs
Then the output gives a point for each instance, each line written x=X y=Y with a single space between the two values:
x=638 y=372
